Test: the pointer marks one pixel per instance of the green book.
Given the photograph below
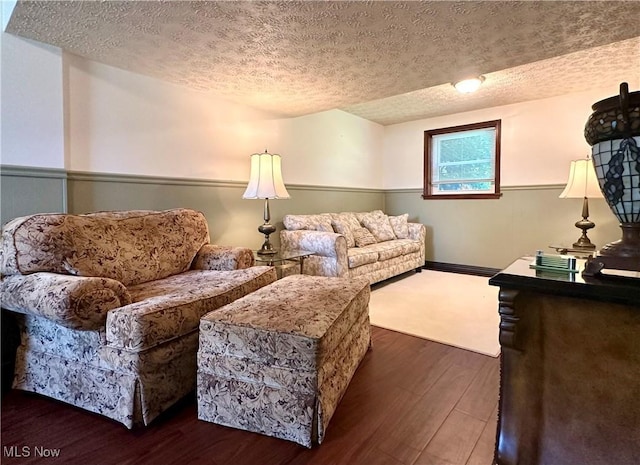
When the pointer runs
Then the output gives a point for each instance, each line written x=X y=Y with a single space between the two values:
x=551 y=262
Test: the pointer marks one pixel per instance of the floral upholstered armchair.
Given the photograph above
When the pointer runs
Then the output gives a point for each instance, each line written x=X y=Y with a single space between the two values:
x=109 y=304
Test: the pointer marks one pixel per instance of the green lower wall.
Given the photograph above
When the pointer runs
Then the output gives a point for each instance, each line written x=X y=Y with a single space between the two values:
x=486 y=233
x=232 y=220
x=493 y=233
x=24 y=191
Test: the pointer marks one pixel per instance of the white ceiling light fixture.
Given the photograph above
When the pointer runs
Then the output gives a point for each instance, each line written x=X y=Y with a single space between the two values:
x=467 y=86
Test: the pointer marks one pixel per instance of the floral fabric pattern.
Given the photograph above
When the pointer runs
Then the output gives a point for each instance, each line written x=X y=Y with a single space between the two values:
x=361 y=256
x=223 y=258
x=333 y=376
x=400 y=225
x=71 y=301
x=348 y=218
x=385 y=250
x=341 y=228
x=292 y=348
x=172 y=307
x=321 y=222
x=408 y=245
x=360 y=215
x=121 y=343
x=332 y=257
x=321 y=243
x=379 y=227
x=381 y=270
x=363 y=237
x=132 y=388
x=132 y=249
x=345 y=223
x=325 y=227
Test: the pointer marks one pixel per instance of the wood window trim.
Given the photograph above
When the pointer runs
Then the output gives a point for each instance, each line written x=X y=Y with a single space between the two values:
x=428 y=135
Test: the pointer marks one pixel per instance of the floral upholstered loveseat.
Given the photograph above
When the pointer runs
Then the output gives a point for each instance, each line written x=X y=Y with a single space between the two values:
x=350 y=244
x=109 y=304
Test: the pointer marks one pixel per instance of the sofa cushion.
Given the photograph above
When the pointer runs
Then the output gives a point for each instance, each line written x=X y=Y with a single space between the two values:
x=130 y=247
x=341 y=228
x=400 y=225
x=324 y=227
x=222 y=257
x=361 y=256
x=361 y=215
x=379 y=227
x=389 y=249
x=320 y=222
x=409 y=245
x=349 y=218
x=168 y=308
x=363 y=237
x=345 y=223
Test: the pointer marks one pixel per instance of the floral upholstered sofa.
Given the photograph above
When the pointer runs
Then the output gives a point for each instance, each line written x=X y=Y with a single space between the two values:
x=351 y=244
x=109 y=304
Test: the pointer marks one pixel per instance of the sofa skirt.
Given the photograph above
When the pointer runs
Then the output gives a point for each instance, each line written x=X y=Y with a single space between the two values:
x=134 y=390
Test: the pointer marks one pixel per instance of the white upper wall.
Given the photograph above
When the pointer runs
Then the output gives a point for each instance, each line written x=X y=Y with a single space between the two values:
x=63 y=111
x=332 y=148
x=539 y=139
x=122 y=122
x=32 y=117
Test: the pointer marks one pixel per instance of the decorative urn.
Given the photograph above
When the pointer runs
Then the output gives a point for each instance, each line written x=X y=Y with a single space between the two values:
x=613 y=131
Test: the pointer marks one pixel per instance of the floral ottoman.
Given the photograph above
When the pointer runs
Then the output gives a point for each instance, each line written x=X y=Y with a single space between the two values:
x=279 y=360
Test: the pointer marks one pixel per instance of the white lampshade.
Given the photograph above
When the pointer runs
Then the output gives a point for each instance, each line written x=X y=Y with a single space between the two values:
x=266 y=178
x=582 y=181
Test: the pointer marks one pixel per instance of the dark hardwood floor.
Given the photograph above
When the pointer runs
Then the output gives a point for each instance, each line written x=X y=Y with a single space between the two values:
x=411 y=402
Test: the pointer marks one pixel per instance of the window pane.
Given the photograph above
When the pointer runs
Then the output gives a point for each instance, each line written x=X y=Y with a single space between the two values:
x=463 y=159
x=476 y=146
x=465 y=170
x=452 y=187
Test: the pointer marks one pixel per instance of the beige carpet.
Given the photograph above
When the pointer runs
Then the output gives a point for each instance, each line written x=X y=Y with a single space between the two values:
x=454 y=309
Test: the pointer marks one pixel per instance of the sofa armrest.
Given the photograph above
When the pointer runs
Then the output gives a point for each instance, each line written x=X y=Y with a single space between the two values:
x=417 y=231
x=71 y=301
x=324 y=244
x=222 y=258
x=329 y=251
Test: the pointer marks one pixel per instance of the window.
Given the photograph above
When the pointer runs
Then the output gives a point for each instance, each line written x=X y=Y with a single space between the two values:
x=462 y=162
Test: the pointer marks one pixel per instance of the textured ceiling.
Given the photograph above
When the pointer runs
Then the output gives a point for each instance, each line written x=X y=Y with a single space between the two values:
x=579 y=71
x=385 y=61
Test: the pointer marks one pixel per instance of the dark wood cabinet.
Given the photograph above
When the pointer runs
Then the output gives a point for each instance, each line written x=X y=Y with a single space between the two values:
x=570 y=369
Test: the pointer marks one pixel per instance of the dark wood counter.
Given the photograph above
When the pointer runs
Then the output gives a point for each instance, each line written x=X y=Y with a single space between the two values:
x=570 y=368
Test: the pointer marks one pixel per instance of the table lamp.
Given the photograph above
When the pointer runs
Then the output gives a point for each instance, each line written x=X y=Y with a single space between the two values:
x=582 y=184
x=266 y=183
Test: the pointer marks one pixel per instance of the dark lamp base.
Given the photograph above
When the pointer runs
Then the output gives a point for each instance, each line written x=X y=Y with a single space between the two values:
x=623 y=254
x=628 y=246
